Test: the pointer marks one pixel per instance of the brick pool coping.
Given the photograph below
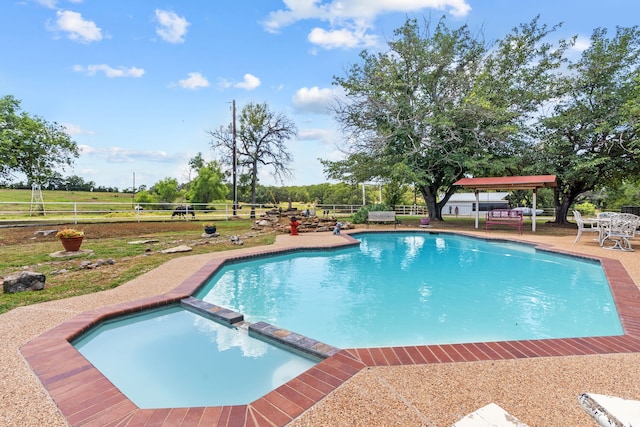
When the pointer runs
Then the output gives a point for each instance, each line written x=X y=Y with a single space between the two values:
x=86 y=398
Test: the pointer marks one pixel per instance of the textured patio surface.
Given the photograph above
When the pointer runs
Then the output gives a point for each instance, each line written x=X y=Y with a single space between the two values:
x=540 y=391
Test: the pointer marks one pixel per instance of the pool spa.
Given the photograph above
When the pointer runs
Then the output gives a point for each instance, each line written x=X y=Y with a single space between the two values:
x=318 y=281
x=171 y=357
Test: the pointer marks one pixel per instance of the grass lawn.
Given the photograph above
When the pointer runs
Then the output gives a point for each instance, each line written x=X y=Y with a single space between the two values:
x=21 y=248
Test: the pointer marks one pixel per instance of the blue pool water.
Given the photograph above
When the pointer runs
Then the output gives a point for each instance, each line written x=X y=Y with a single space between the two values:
x=171 y=357
x=420 y=288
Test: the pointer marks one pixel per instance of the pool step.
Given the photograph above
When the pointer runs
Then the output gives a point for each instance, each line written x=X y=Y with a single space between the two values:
x=291 y=340
x=281 y=337
x=220 y=314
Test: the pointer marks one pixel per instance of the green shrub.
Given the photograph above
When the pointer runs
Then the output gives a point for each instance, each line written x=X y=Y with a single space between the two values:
x=586 y=208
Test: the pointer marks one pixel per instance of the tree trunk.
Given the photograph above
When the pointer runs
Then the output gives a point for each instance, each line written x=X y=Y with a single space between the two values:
x=562 y=202
x=430 y=194
x=430 y=198
x=254 y=182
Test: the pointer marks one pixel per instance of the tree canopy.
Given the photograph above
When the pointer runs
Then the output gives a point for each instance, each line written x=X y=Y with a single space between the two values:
x=590 y=139
x=208 y=185
x=261 y=137
x=167 y=189
x=30 y=145
x=442 y=103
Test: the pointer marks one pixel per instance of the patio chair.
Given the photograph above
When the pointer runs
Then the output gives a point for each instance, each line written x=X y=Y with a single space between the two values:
x=588 y=224
x=619 y=230
x=603 y=219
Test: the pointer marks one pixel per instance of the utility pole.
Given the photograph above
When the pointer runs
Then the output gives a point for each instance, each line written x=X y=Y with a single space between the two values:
x=234 y=160
x=133 y=193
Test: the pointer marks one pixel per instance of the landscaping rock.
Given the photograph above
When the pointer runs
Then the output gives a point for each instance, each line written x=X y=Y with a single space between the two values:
x=90 y=265
x=236 y=240
x=44 y=233
x=71 y=254
x=209 y=236
x=177 y=249
x=23 y=281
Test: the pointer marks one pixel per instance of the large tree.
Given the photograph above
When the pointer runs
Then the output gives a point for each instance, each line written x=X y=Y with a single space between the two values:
x=442 y=103
x=260 y=142
x=31 y=146
x=590 y=139
x=167 y=189
x=208 y=185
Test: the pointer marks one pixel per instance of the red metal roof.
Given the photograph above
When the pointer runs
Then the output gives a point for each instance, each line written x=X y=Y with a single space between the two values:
x=509 y=182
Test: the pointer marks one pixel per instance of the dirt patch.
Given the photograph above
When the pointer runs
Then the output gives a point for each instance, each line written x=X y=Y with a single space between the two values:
x=27 y=234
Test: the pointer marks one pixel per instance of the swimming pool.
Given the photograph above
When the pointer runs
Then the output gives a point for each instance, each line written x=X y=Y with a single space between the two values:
x=421 y=288
x=171 y=358
x=83 y=395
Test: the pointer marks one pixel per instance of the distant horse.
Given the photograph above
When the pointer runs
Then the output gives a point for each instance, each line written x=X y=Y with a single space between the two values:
x=183 y=210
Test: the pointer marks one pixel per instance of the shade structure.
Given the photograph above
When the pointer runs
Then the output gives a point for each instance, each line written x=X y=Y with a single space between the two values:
x=530 y=182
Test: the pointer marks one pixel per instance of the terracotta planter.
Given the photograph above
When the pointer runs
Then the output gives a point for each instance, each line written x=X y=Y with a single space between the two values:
x=71 y=244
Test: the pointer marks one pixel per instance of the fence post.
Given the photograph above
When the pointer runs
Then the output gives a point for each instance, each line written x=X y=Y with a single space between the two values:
x=75 y=213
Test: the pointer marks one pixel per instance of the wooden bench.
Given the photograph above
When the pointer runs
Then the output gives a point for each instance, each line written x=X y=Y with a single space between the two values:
x=382 y=217
x=508 y=217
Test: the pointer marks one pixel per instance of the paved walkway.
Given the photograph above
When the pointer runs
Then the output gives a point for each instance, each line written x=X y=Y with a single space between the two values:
x=541 y=391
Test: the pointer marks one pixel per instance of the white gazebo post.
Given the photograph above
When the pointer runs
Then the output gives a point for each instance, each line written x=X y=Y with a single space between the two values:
x=533 y=213
x=477 y=206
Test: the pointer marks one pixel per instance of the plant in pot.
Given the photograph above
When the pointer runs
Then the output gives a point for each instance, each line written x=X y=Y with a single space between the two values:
x=70 y=238
x=210 y=228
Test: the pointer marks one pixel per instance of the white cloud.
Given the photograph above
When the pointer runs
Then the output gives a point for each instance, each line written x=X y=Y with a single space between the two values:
x=315 y=134
x=76 y=130
x=50 y=4
x=582 y=44
x=250 y=82
x=343 y=38
x=314 y=100
x=194 y=81
x=350 y=19
x=126 y=155
x=110 y=72
x=354 y=10
x=76 y=27
x=171 y=27
x=224 y=83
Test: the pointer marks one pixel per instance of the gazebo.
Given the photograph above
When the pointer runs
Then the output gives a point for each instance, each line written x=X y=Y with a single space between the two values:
x=509 y=183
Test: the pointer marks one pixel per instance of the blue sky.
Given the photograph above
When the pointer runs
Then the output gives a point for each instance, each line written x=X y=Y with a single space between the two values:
x=138 y=83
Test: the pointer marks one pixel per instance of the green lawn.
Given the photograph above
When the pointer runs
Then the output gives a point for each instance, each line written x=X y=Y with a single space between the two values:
x=65 y=278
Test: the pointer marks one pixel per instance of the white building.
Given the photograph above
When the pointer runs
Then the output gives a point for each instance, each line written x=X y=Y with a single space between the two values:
x=463 y=203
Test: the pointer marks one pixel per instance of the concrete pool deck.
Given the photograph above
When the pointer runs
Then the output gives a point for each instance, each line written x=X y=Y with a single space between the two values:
x=538 y=382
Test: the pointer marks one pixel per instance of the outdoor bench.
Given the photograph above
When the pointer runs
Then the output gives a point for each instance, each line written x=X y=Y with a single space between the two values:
x=510 y=217
x=382 y=217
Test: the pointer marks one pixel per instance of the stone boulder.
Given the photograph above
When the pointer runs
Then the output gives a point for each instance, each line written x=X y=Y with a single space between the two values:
x=177 y=249
x=23 y=281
